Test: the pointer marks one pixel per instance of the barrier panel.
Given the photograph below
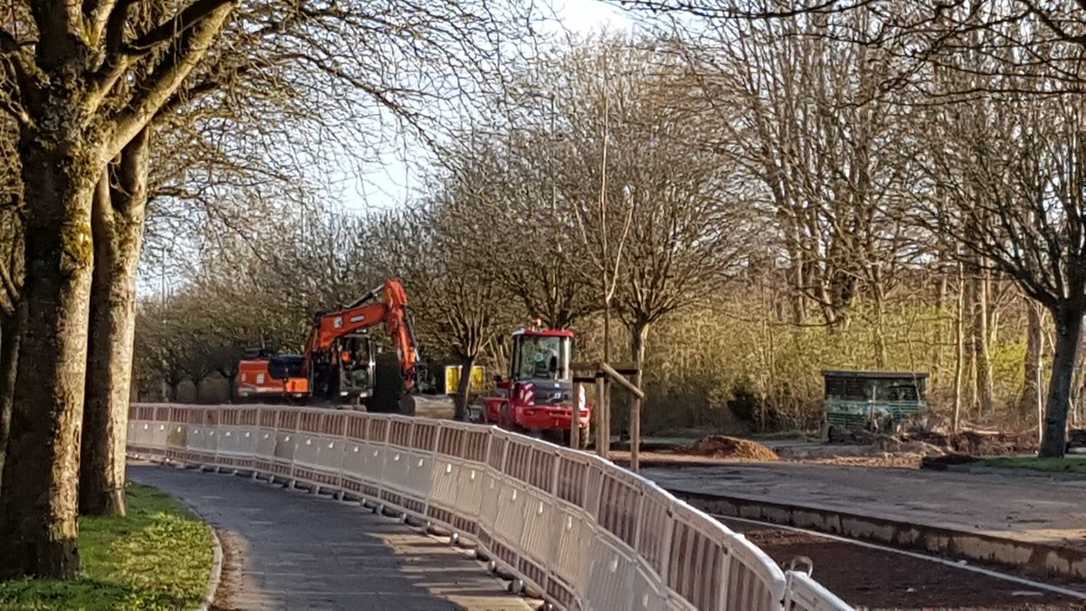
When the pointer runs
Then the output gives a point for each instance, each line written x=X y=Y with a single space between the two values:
x=576 y=529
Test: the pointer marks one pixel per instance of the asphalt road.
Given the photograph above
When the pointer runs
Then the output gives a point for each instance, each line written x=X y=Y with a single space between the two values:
x=286 y=549
x=1014 y=505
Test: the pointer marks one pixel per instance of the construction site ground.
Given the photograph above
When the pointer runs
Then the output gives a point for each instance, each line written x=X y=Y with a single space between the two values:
x=1015 y=504
x=875 y=579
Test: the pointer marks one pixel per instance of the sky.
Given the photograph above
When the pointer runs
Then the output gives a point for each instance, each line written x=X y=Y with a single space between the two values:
x=389 y=181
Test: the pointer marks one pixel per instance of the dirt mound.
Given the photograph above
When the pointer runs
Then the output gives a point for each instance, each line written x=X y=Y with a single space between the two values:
x=722 y=446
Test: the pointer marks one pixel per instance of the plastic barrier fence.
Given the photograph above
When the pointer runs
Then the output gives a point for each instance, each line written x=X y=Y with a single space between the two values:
x=584 y=533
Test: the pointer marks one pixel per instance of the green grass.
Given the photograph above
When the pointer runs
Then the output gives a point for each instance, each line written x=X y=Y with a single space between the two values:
x=159 y=557
x=1033 y=463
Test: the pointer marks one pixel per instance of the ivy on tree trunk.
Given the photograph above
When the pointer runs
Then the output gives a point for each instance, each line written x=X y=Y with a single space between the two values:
x=38 y=510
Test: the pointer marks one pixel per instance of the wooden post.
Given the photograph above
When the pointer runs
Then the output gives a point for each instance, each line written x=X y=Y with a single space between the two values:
x=602 y=432
x=575 y=418
x=635 y=433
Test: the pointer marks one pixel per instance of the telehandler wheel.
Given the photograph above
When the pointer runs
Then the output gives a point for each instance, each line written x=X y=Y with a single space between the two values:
x=406 y=405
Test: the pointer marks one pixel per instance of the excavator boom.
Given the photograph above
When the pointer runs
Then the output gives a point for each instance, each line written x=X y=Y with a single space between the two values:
x=365 y=313
x=338 y=360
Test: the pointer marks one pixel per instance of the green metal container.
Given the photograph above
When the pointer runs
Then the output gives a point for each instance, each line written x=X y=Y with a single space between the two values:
x=871 y=400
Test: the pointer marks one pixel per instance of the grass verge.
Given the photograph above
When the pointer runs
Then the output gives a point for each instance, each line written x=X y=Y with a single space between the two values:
x=1069 y=464
x=159 y=557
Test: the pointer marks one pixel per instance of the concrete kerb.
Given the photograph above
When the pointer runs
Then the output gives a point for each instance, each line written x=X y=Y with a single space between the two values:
x=1036 y=558
x=216 y=572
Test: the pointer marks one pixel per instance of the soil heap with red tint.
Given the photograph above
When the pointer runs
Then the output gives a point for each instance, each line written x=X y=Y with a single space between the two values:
x=722 y=446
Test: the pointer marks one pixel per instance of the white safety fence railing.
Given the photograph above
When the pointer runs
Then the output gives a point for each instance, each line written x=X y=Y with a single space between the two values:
x=584 y=533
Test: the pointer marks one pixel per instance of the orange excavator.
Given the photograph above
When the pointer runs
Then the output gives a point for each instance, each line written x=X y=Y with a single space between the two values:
x=338 y=365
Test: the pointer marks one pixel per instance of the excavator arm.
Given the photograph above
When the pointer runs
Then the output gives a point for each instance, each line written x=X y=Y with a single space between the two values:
x=367 y=312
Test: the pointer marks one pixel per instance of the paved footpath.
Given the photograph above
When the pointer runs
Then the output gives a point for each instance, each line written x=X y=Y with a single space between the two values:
x=286 y=549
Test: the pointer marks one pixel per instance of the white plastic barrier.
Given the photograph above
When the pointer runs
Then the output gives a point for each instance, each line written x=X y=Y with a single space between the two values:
x=806 y=594
x=584 y=533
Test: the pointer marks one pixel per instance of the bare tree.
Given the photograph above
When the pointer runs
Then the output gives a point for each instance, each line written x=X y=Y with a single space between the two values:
x=510 y=178
x=60 y=72
x=1033 y=365
x=1016 y=202
x=795 y=109
x=82 y=82
x=458 y=305
x=1000 y=61
x=680 y=219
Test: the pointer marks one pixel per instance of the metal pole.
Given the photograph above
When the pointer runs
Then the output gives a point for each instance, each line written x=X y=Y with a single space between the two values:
x=635 y=433
x=602 y=442
x=575 y=418
x=162 y=285
x=554 y=179
x=604 y=386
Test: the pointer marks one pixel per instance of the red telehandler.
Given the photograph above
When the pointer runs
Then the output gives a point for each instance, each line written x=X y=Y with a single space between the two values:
x=338 y=365
x=537 y=397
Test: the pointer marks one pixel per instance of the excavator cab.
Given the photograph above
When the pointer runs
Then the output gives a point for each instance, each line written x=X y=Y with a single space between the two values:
x=344 y=372
x=357 y=366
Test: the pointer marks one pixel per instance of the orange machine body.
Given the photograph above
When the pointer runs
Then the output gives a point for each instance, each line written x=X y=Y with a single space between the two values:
x=338 y=360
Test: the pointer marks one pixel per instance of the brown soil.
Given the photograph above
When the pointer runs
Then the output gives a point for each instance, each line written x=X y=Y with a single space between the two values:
x=886 y=461
x=232 y=563
x=981 y=443
x=875 y=579
x=721 y=446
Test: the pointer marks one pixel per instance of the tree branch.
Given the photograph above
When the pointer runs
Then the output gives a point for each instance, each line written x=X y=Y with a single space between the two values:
x=167 y=78
x=99 y=14
x=177 y=25
x=60 y=27
x=15 y=54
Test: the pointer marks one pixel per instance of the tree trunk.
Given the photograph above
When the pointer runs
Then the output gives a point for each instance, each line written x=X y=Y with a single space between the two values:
x=959 y=351
x=1031 y=373
x=1068 y=319
x=938 y=329
x=463 y=387
x=39 y=509
x=117 y=222
x=639 y=334
x=879 y=330
x=9 y=361
x=981 y=358
x=796 y=280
